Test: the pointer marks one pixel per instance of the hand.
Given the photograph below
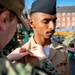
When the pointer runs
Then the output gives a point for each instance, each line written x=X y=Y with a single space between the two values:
x=38 y=51
x=17 y=54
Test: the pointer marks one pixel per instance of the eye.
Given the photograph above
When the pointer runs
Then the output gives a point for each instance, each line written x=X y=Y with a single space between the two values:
x=46 y=21
x=54 y=21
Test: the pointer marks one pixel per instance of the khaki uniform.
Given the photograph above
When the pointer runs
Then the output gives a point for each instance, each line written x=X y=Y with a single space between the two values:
x=7 y=68
x=58 y=56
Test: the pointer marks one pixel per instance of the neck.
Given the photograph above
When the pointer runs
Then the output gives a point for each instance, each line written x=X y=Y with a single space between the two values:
x=42 y=41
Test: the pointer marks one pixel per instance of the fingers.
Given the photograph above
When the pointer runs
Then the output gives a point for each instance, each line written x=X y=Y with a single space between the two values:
x=31 y=54
x=25 y=52
x=22 y=50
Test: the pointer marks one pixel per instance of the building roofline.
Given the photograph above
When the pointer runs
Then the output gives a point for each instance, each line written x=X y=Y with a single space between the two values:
x=65 y=9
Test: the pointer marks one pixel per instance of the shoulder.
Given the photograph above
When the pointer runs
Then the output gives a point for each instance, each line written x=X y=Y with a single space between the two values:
x=57 y=45
x=29 y=44
x=26 y=45
x=58 y=48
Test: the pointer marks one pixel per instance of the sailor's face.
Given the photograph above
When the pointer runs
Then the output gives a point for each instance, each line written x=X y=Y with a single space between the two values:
x=43 y=24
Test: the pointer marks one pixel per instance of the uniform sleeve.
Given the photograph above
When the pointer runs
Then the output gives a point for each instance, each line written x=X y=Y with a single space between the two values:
x=47 y=65
x=7 y=68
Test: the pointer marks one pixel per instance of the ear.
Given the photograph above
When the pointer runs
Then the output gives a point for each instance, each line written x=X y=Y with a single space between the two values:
x=2 y=21
x=31 y=23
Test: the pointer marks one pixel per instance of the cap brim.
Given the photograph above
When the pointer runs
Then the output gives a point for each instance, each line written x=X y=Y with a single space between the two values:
x=25 y=25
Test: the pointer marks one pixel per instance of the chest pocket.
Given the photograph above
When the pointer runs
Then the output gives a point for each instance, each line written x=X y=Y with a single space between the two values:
x=59 y=60
x=61 y=68
x=28 y=59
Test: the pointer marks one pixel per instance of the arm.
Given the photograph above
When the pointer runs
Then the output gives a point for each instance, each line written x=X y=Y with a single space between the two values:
x=7 y=68
x=17 y=54
x=45 y=63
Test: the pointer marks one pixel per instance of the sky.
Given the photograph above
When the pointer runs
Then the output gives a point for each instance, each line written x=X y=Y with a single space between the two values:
x=59 y=3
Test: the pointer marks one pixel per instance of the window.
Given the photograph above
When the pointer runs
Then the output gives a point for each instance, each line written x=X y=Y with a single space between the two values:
x=63 y=24
x=58 y=14
x=68 y=24
x=73 y=13
x=63 y=19
x=68 y=18
x=73 y=23
x=73 y=18
x=58 y=19
x=68 y=14
x=63 y=14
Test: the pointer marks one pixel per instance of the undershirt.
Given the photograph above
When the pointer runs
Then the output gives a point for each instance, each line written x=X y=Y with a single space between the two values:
x=47 y=50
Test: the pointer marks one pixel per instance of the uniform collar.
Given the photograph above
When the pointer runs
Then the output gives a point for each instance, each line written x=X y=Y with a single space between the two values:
x=33 y=40
x=53 y=44
x=54 y=47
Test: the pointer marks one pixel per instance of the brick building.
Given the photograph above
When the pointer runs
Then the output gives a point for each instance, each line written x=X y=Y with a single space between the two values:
x=66 y=17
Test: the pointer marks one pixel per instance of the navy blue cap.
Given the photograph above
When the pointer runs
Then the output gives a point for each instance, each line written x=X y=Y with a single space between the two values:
x=44 y=6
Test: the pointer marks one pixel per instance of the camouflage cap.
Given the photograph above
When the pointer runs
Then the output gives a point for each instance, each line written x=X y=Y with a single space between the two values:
x=17 y=7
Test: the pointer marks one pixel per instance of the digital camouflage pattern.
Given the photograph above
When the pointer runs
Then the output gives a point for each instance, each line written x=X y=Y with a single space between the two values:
x=49 y=66
x=7 y=68
x=69 y=40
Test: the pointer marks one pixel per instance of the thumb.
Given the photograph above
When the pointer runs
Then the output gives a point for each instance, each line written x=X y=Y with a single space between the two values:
x=22 y=50
x=24 y=53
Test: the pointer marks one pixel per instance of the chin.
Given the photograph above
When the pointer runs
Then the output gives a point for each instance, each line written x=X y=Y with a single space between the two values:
x=48 y=37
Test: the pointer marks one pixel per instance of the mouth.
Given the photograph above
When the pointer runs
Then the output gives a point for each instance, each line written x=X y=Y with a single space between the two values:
x=50 y=32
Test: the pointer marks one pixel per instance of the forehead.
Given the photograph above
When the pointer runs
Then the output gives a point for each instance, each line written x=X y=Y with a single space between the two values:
x=39 y=15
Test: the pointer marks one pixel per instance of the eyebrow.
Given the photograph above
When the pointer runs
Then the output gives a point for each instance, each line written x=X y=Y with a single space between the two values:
x=55 y=18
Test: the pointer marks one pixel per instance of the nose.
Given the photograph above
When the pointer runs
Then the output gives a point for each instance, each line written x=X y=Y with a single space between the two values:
x=51 y=25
